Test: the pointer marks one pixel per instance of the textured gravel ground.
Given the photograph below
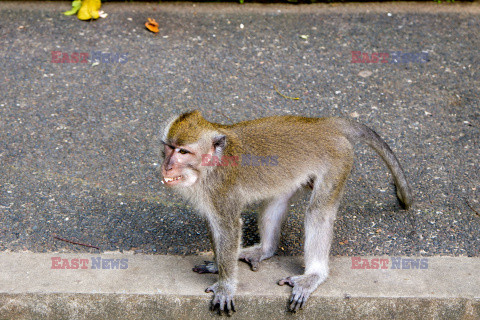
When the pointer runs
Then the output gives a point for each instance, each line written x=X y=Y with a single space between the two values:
x=79 y=142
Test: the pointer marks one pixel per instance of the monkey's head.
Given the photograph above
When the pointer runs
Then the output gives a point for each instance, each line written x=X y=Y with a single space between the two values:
x=187 y=139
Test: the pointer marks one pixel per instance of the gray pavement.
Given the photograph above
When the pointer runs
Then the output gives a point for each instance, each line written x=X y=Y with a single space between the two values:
x=79 y=142
x=36 y=286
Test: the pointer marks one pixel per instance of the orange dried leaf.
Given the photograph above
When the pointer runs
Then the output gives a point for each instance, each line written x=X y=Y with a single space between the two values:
x=151 y=25
x=151 y=28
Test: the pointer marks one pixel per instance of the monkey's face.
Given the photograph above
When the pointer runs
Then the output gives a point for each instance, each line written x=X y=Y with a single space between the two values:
x=179 y=167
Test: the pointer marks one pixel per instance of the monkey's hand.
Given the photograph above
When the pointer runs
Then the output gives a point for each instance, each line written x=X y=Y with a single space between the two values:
x=303 y=286
x=208 y=267
x=222 y=298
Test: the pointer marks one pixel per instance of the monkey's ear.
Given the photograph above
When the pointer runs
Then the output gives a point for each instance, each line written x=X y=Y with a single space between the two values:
x=219 y=142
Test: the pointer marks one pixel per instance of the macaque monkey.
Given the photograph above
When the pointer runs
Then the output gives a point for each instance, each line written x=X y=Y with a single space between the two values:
x=306 y=152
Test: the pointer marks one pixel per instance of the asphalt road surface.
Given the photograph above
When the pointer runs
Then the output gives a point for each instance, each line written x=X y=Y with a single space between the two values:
x=79 y=149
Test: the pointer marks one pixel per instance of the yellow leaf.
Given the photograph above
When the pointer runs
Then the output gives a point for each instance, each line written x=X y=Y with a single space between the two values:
x=89 y=10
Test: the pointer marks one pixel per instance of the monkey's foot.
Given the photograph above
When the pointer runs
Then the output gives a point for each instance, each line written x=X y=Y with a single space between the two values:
x=254 y=255
x=208 y=267
x=303 y=286
x=222 y=298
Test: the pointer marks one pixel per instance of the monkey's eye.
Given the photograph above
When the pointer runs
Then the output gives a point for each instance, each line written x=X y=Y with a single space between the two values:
x=183 y=151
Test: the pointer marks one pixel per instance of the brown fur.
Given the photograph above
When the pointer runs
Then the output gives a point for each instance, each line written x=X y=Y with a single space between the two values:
x=315 y=152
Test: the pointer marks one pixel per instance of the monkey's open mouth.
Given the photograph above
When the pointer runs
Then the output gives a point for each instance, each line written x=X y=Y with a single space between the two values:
x=170 y=180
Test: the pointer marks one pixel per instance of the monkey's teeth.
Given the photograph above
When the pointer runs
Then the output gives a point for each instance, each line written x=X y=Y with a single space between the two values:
x=172 y=179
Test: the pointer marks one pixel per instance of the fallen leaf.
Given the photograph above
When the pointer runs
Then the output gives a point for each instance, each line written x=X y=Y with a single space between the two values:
x=89 y=10
x=152 y=25
x=76 y=4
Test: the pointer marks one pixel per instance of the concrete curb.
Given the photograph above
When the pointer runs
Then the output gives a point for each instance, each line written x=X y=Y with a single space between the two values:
x=127 y=286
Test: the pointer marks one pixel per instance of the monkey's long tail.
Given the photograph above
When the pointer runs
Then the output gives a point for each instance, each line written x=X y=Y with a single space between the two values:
x=355 y=132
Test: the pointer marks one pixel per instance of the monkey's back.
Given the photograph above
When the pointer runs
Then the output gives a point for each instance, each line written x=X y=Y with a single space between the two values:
x=301 y=147
x=296 y=135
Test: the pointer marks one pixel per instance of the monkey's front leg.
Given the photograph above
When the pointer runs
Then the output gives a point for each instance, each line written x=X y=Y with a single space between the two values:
x=209 y=266
x=226 y=233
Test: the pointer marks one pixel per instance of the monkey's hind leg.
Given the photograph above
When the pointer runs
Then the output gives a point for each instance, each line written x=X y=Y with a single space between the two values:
x=270 y=226
x=319 y=220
